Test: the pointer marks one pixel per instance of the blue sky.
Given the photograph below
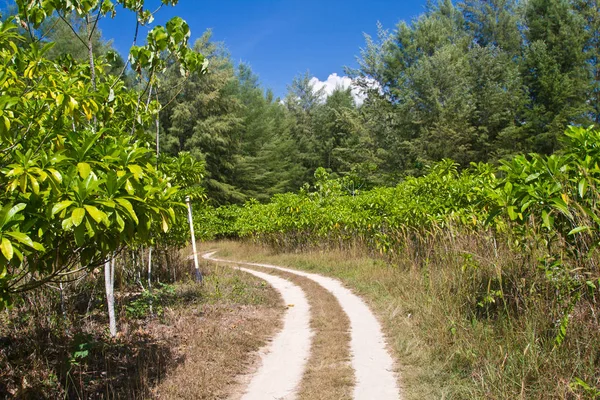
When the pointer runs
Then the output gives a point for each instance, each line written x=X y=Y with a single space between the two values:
x=279 y=39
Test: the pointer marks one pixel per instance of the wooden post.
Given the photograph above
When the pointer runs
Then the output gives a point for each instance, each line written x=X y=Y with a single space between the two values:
x=191 y=221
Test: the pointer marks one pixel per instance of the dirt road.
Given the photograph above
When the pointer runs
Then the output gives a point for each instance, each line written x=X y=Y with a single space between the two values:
x=373 y=366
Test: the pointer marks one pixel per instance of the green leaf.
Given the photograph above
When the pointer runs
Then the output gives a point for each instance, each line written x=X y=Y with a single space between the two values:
x=129 y=187
x=96 y=214
x=67 y=224
x=120 y=222
x=561 y=205
x=8 y=212
x=532 y=177
x=547 y=220
x=129 y=208
x=136 y=170
x=7 y=248
x=106 y=203
x=579 y=229
x=165 y=224
x=58 y=207
x=84 y=169
x=35 y=186
x=79 y=234
x=55 y=174
x=583 y=184
x=21 y=238
x=77 y=216
x=89 y=143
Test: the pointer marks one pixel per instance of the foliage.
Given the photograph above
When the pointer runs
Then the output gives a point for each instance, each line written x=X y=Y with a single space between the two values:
x=553 y=196
x=540 y=212
x=151 y=302
x=77 y=164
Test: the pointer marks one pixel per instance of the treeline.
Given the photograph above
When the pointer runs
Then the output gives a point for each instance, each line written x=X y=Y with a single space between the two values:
x=481 y=80
x=478 y=80
x=472 y=81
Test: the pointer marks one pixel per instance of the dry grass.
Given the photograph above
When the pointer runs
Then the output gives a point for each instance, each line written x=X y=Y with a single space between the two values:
x=453 y=342
x=198 y=339
x=219 y=341
x=329 y=374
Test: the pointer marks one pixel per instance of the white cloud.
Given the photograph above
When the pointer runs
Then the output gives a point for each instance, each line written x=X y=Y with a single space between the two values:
x=335 y=81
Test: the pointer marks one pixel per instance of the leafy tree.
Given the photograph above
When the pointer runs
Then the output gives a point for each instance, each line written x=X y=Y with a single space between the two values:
x=266 y=162
x=77 y=164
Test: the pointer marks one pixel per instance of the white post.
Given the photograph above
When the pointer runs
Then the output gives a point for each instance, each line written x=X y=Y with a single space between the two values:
x=109 y=282
x=191 y=221
x=150 y=268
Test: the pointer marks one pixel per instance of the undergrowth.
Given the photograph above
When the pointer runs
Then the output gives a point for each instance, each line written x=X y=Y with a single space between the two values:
x=51 y=349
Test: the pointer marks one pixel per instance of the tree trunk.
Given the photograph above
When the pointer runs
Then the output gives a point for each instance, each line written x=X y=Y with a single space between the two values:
x=109 y=282
x=63 y=307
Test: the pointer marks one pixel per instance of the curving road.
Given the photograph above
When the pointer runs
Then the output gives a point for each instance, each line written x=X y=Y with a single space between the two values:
x=372 y=363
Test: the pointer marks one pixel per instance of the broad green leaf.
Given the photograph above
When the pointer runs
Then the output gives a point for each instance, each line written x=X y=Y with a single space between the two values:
x=67 y=224
x=35 y=186
x=512 y=213
x=21 y=238
x=120 y=222
x=77 y=216
x=79 y=234
x=532 y=177
x=7 y=248
x=106 y=203
x=8 y=213
x=55 y=174
x=129 y=208
x=17 y=171
x=58 y=207
x=84 y=169
x=129 y=187
x=96 y=214
x=136 y=170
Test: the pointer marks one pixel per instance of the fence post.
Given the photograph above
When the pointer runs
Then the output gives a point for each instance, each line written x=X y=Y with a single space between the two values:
x=191 y=221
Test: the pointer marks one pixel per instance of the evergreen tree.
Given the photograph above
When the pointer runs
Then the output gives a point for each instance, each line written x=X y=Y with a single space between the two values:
x=554 y=71
x=205 y=120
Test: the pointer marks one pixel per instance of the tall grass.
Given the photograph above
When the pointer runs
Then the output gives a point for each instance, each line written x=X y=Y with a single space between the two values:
x=468 y=315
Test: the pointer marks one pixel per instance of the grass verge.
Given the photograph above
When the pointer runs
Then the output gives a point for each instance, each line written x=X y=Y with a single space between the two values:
x=239 y=314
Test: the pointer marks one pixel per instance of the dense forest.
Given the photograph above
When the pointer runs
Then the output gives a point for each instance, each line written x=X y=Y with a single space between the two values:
x=464 y=155
x=472 y=81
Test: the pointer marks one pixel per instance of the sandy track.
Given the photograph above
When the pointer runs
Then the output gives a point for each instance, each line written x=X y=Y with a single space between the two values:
x=373 y=365
x=284 y=359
